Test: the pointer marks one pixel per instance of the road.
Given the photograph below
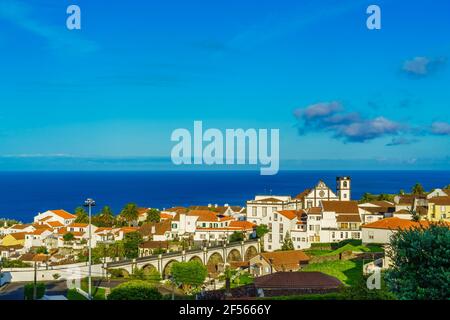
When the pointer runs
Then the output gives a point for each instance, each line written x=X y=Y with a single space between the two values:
x=15 y=291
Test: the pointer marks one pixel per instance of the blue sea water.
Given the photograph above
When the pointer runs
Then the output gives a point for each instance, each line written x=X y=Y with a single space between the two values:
x=24 y=194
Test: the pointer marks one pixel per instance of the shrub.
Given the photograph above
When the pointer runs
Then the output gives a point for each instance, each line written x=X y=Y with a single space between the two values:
x=135 y=290
x=29 y=289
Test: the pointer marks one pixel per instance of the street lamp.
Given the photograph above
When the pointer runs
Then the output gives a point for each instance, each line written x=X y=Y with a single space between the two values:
x=90 y=203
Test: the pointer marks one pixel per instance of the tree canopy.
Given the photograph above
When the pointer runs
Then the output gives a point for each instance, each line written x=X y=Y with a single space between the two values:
x=287 y=243
x=189 y=275
x=418 y=189
x=153 y=215
x=82 y=216
x=135 y=290
x=130 y=213
x=237 y=236
x=68 y=236
x=420 y=263
x=131 y=243
x=105 y=218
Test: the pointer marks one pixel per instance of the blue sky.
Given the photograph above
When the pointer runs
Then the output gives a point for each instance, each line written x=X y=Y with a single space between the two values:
x=340 y=94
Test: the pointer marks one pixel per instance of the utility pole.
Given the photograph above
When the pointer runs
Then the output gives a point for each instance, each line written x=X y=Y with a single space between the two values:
x=90 y=203
x=35 y=282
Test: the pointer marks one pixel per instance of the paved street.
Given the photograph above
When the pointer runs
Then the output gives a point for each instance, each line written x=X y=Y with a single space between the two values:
x=15 y=291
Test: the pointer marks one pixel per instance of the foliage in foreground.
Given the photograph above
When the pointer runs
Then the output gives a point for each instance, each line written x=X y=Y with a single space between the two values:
x=29 y=289
x=135 y=290
x=189 y=275
x=420 y=263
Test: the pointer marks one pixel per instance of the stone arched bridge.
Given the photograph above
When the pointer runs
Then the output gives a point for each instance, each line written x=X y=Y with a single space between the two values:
x=213 y=257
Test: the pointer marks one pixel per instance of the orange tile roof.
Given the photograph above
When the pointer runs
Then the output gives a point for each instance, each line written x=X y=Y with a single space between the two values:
x=314 y=210
x=242 y=224
x=165 y=216
x=285 y=259
x=78 y=225
x=290 y=214
x=63 y=214
x=40 y=231
x=18 y=235
x=340 y=206
x=55 y=224
x=443 y=201
x=20 y=226
x=395 y=223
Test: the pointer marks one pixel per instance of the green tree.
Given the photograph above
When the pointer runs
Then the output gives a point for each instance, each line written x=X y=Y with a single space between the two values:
x=135 y=290
x=82 y=216
x=105 y=218
x=130 y=213
x=68 y=236
x=42 y=250
x=287 y=243
x=153 y=215
x=417 y=189
x=261 y=231
x=190 y=275
x=29 y=290
x=131 y=243
x=367 y=197
x=237 y=236
x=420 y=263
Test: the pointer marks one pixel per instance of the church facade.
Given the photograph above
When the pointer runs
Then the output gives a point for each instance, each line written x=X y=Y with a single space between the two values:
x=312 y=197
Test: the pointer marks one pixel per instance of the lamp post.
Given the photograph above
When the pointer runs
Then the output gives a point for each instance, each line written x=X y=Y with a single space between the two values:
x=90 y=203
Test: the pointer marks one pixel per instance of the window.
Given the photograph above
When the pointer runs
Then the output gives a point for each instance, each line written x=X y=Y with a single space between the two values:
x=342 y=235
x=270 y=225
x=254 y=211
x=371 y=236
x=211 y=236
x=274 y=209
x=281 y=238
x=269 y=236
x=333 y=235
x=203 y=236
x=345 y=195
x=281 y=228
x=345 y=184
x=311 y=228
x=275 y=216
x=309 y=204
x=264 y=211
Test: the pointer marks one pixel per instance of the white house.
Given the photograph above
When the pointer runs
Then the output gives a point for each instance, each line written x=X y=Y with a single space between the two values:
x=262 y=207
x=381 y=231
x=63 y=217
x=340 y=220
x=37 y=237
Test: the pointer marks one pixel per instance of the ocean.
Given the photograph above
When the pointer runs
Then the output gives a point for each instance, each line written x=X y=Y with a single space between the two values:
x=24 y=194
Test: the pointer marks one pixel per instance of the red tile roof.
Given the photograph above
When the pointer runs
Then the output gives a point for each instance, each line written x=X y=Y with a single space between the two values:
x=340 y=206
x=395 y=223
x=297 y=280
x=63 y=214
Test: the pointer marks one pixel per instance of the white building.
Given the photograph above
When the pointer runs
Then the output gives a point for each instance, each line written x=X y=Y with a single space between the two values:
x=61 y=216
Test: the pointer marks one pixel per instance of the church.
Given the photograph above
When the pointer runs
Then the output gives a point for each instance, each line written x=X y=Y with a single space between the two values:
x=312 y=197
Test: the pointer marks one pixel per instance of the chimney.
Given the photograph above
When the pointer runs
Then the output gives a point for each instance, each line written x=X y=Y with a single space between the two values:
x=153 y=230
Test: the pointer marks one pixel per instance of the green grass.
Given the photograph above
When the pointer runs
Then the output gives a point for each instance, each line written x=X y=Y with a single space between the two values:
x=242 y=280
x=97 y=293
x=348 y=272
x=72 y=294
x=346 y=247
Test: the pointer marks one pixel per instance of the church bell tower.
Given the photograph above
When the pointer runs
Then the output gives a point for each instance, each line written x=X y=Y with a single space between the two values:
x=343 y=188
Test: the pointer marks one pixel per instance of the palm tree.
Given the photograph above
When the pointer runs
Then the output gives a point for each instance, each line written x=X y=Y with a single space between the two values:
x=418 y=189
x=130 y=213
x=82 y=216
x=106 y=217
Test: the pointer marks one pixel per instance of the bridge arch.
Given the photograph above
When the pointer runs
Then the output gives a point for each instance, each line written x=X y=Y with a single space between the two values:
x=196 y=258
x=166 y=271
x=234 y=256
x=215 y=263
x=250 y=252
